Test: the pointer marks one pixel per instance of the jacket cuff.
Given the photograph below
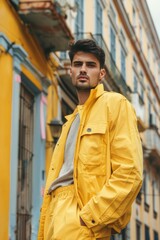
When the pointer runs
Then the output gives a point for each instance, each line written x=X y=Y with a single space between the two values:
x=87 y=216
x=99 y=230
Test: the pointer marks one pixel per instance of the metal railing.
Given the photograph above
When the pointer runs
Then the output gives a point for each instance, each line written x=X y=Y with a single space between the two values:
x=152 y=140
x=139 y=108
x=114 y=72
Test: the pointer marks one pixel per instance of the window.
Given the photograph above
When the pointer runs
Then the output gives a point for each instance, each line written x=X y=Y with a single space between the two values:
x=134 y=17
x=15 y=2
x=113 y=237
x=123 y=54
x=25 y=159
x=149 y=54
x=139 y=197
x=135 y=62
x=142 y=94
x=79 y=21
x=145 y=190
x=154 y=198
x=142 y=86
x=113 y=44
x=149 y=111
x=63 y=55
x=155 y=66
x=99 y=22
x=135 y=83
x=147 y=234
x=123 y=37
x=124 y=234
x=140 y=35
x=123 y=63
x=113 y=14
x=138 y=230
x=155 y=234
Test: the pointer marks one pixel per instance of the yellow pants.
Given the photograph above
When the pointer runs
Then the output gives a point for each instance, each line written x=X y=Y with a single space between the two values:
x=62 y=218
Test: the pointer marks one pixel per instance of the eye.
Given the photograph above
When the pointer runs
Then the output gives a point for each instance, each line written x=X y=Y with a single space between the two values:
x=91 y=65
x=77 y=64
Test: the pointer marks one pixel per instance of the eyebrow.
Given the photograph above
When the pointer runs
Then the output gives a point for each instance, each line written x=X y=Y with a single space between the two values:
x=87 y=62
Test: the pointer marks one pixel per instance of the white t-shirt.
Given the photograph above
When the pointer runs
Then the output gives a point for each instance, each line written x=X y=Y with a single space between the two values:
x=65 y=177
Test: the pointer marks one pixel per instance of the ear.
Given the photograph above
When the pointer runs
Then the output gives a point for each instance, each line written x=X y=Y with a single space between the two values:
x=102 y=74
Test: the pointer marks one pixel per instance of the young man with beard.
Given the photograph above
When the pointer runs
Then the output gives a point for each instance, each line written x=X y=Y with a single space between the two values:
x=96 y=168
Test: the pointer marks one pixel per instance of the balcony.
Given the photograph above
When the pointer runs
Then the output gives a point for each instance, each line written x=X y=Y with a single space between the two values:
x=132 y=35
x=152 y=146
x=46 y=19
x=139 y=108
x=114 y=75
x=152 y=121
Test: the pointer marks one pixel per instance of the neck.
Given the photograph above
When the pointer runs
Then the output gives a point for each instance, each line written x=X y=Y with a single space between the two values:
x=82 y=96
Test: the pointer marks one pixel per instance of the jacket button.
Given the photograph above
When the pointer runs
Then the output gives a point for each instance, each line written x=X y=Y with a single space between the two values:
x=89 y=129
x=93 y=221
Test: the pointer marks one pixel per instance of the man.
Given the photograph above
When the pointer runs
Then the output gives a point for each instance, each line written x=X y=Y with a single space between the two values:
x=96 y=169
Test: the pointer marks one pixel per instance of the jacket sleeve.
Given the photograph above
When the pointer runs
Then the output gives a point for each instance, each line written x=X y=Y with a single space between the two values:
x=126 y=161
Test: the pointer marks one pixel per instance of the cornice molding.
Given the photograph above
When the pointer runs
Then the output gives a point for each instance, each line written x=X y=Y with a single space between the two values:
x=20 y=57
x=5 y=42
x=136 y=44
x=151 y=26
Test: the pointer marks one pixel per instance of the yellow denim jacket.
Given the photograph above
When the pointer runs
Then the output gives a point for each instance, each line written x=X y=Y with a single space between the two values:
x=108 y=162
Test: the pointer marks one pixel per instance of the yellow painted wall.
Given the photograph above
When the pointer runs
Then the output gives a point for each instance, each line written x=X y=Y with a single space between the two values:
x=5 y=132
x=13 y=28
x=17 y=32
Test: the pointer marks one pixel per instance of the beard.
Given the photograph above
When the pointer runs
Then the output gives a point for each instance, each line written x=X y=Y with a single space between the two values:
x=84 y=87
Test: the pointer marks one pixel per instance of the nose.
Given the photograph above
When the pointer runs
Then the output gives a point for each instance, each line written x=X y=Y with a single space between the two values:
x=83 y=68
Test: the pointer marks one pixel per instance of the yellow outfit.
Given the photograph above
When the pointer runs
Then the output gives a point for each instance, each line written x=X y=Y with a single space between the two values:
x=108 y=166
x=62 y=218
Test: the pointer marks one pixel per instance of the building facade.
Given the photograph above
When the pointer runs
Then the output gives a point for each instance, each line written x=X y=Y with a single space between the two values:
x=29 y=33
x=36 y=88
x=125 y=30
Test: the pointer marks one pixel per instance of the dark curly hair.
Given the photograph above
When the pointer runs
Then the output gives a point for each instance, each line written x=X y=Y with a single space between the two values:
x=87 y=46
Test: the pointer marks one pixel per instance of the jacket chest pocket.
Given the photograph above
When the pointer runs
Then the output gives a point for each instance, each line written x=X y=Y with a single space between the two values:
x=92 y=146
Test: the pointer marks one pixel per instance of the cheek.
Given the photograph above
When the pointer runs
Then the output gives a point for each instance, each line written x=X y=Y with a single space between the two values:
x=73 y=77
x=96 y=76
x=73 y=74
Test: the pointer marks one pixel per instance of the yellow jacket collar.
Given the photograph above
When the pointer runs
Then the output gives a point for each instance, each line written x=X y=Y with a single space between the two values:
x=95 y=93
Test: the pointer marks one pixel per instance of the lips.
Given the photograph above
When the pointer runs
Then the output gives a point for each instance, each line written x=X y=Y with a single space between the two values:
x=83 y=77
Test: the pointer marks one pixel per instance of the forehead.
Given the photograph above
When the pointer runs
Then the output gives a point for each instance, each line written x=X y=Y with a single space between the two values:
x=85 y=57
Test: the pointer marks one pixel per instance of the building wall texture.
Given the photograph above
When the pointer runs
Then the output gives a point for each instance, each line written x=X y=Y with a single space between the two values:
x=40 y=64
